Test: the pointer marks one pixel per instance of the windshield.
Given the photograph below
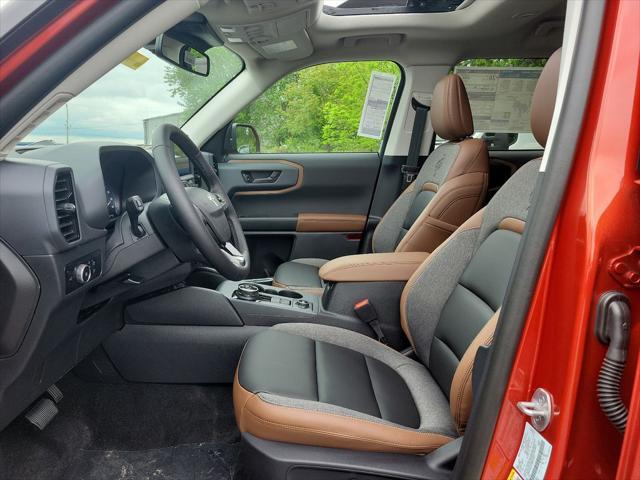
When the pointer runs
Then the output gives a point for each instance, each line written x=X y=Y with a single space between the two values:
x=136 y=96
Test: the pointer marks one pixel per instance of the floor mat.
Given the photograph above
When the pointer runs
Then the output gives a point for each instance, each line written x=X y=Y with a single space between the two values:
x=129 y=432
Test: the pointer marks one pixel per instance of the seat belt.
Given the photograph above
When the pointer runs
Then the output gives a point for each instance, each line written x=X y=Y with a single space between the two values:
x=367 y=313
x=410 y=169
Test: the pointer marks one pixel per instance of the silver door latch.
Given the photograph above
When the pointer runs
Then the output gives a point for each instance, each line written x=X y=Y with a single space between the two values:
x=540 y=409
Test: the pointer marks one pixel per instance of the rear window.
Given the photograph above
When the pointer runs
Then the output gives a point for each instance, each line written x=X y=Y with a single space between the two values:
x=500 y=93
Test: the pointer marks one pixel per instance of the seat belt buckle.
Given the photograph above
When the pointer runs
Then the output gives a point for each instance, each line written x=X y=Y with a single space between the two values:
x=410 y=173
x=367 y=313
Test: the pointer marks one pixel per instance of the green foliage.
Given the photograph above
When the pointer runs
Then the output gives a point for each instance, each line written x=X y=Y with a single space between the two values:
x=194 y=90
x=316 y=109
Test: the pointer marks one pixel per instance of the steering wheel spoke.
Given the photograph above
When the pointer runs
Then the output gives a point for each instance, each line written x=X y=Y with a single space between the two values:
x=234 y=253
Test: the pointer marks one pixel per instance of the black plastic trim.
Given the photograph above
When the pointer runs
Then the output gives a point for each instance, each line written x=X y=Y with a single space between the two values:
x=261 y=459
x=20 y=294
x=542 y=217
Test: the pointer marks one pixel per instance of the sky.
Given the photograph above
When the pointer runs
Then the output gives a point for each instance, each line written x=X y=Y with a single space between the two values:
x=113 y=108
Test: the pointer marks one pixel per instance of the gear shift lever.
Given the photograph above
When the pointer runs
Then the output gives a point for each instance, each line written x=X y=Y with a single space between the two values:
x=135 y=207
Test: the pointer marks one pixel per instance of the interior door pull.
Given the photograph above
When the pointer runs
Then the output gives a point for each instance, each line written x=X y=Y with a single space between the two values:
x=261 y=176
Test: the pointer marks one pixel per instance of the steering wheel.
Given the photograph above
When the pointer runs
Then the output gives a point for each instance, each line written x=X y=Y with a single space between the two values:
x=207 y=216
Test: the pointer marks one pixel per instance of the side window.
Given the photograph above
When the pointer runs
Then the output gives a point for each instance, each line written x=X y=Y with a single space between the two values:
x=500 y=92
x=317 y=110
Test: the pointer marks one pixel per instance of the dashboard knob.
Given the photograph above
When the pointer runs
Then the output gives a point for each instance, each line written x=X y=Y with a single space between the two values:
x=248 y=292
x=82 y=273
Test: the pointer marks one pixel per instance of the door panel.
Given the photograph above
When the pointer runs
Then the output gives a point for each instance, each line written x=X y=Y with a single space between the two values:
x=303 y=205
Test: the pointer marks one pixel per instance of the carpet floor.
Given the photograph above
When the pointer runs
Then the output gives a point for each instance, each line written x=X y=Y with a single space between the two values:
x=127 y=432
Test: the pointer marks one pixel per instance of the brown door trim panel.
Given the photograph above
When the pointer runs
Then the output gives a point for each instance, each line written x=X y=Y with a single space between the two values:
x=330 y=222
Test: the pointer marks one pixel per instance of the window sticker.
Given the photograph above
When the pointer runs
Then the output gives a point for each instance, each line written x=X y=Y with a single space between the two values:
x=376 y=103
x=533 y=456
x=500 y=97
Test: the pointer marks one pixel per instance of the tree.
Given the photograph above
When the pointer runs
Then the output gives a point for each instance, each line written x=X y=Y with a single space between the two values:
x=316 y=109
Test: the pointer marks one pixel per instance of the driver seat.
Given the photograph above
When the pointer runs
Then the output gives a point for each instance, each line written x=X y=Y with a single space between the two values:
x=324 y=386
x=450 y=187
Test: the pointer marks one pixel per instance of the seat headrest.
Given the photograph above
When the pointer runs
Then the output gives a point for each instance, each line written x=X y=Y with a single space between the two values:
x=544 y=98
x=450 y=110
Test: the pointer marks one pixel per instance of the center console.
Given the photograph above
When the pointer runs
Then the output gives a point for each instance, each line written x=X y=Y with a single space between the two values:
x=195 y=330
x=377 y=278
x=268 y=295
x=259 y=303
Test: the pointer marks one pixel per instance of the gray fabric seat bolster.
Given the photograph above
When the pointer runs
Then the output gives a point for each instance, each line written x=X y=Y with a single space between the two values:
x=332 y=370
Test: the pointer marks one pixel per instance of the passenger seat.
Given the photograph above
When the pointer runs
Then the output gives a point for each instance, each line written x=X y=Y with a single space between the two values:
x=450 y=187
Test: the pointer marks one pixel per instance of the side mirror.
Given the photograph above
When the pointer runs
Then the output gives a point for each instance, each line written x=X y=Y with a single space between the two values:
x=242 y=138
x=181 y=55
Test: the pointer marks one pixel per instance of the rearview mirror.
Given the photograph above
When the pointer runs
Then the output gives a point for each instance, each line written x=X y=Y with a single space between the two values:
x=242 y=138
x=181 y=55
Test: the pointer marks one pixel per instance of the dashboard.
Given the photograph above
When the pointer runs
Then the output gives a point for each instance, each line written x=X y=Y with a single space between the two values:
x=65 y=230
x=73 y=197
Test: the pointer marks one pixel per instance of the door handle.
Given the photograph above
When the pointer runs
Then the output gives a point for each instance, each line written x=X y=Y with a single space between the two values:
x=261 y=176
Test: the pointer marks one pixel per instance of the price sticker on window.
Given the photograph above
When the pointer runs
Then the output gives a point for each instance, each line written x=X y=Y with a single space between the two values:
x=376 y=104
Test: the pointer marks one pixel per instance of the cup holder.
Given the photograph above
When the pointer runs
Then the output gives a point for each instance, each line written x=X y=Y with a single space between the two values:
x=289 y=294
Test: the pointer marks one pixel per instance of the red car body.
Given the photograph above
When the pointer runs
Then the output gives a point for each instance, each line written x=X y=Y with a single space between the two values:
x=596 y=224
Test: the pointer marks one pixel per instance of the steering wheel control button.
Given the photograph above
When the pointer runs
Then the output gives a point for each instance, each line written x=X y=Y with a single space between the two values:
x=302 y=304
x=248 y=292
x=82 y=271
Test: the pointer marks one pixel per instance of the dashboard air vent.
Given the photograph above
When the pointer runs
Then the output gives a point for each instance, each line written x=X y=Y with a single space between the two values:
x=66 y=207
